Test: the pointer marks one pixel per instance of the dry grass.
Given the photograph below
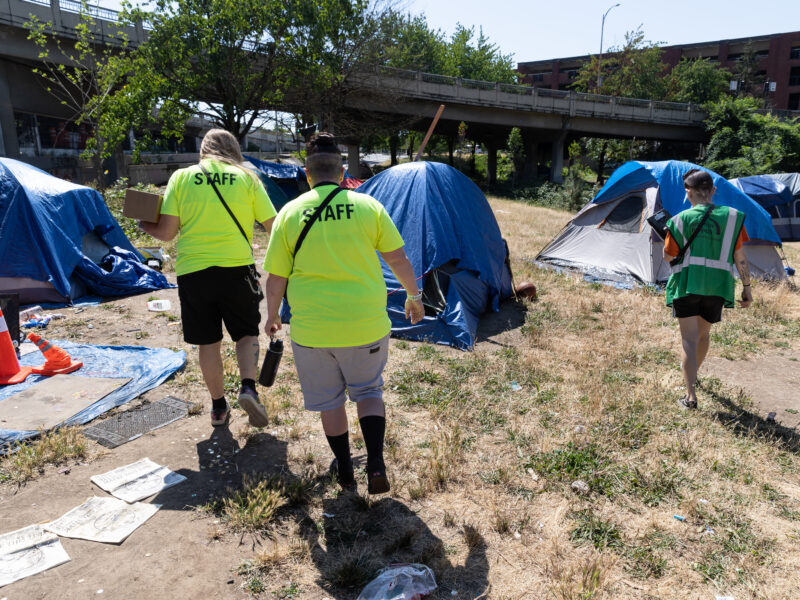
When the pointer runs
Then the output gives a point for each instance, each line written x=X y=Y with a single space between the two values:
x=26 y=461
x=482 y=449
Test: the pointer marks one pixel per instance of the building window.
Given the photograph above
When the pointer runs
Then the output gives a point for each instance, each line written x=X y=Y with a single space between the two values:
x=572 y=73
x=537 y=77
x=794 y=101
x=737 y=56
x=795 y=53
x=794 y=76
x=714 y=58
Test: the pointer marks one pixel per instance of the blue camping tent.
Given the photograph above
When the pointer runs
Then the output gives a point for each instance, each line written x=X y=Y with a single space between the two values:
x=610 y=239
x=668 y=176
x=53 y=236
x=773 y=194
x=291 y=180
x=454 y=244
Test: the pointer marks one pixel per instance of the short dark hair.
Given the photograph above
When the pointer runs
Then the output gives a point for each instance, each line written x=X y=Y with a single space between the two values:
x=697 y=179
x=322 y=142
x=323 y=160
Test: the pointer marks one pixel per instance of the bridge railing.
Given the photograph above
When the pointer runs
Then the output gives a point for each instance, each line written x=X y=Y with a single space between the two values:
x=519 y=97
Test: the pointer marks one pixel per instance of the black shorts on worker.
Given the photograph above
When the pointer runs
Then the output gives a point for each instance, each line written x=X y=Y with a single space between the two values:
x=695 y=305
x=214 y=296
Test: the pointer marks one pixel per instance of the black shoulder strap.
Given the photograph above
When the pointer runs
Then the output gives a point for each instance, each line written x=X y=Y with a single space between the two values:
x=314 y=217
x=683 y=250
x=225 y=204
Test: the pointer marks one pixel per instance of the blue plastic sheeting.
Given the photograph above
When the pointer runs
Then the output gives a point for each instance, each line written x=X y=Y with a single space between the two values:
x=287 y=177
x=668 y=175
x=765 y=190
x=43 y=220
x=147 y=368
x=120 y=273
x=444 y=217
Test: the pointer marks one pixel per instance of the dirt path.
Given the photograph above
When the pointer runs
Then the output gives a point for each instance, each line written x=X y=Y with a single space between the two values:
x=772 y=381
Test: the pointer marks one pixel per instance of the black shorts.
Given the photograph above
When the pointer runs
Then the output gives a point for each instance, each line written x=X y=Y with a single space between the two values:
x=695 y=305
x=213 y=296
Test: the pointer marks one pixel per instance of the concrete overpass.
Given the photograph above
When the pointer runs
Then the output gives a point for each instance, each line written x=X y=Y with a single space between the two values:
x=548 y=118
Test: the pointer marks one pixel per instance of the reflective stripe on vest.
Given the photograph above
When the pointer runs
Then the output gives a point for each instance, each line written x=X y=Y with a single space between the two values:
x=722 y=262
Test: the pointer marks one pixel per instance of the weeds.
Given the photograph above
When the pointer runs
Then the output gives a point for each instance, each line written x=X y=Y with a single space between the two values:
x=27 y=460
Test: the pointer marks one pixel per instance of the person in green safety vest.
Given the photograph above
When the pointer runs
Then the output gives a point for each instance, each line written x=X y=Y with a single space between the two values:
x=702 y=280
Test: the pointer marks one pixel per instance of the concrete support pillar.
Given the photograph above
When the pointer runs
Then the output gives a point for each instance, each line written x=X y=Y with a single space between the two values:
x=557 y=159
x=530 y=167
x=491 y=163
x=353 y=163
x=9 y=144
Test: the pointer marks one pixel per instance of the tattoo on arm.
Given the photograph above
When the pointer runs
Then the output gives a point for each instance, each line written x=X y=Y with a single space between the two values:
x=744 y=269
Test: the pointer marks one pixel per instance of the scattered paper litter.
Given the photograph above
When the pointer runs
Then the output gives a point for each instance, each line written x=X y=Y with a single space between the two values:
x=102 y=520
x=137 y=480
x=28 y=551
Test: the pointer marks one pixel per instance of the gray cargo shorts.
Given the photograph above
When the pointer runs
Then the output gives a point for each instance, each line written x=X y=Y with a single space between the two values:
x=326 y=373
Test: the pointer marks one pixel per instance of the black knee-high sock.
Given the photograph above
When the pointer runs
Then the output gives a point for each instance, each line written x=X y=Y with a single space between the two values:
x=340 y=444
x=373 y=429
x=218 y=403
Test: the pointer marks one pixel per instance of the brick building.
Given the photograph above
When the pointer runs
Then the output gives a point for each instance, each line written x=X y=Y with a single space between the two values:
x=778 y=61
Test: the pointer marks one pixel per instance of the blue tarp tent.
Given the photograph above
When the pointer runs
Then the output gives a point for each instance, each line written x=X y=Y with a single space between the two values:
x=291 y=180
x=53 y=235
x=773 y=194
x=454 y=244
x=610 y=239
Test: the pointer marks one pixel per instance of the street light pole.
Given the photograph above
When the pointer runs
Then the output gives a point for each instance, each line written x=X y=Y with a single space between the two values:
x=600 y=57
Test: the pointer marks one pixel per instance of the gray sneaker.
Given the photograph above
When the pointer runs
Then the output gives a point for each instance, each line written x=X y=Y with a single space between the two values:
x=685 y=403
x=257 y=414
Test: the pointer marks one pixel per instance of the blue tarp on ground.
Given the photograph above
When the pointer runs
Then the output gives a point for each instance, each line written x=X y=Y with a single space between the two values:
x=147 y=368
x=43 y=221
x=450 y=232
x=668 y=175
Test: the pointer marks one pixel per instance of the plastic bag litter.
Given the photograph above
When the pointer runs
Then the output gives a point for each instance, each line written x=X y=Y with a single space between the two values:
x=400 y=582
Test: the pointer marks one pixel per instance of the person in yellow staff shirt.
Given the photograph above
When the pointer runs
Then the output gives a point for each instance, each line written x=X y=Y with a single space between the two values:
x=217 y=279
x=337 y=295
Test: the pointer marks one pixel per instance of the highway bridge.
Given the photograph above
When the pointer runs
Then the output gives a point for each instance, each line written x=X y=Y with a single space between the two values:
x=547 y=118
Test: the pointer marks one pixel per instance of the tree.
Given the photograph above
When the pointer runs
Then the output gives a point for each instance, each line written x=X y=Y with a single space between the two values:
x=747 y=72
x=516 y=148
x=745 y=142
x=479 y=59
x=407 y=42
x=235 y=60
x=634 y=70
x=698 y=81
x=98 y=83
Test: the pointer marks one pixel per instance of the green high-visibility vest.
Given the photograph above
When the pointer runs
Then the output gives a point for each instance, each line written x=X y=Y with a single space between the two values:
x=707 y=266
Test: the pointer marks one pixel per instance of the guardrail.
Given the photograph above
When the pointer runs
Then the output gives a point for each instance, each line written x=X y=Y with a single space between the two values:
x=518 y=97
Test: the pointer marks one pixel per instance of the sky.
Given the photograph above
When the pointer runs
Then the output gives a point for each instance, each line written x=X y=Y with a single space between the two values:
x=536 y=30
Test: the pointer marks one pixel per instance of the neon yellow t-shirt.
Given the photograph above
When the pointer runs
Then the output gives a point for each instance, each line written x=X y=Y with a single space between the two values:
x=336 y=288
x=208 y=235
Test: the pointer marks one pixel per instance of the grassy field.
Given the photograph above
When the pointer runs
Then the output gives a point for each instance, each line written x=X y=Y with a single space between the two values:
x=483 y=449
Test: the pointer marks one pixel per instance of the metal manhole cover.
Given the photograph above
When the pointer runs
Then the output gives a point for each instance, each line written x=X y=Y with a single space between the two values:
x=131 y=424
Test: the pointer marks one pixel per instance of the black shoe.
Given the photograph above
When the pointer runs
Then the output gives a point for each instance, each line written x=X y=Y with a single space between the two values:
x=377 y=482
x=347 y=479
x=685 y=403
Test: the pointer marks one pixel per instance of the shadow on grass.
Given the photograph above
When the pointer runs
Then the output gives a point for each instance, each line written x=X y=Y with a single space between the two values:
x=358 y=536
x=743 y=423
x=510 y=316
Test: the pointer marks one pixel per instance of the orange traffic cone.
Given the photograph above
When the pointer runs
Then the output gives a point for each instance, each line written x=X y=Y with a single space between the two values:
x=57 y=360
x=10 y=371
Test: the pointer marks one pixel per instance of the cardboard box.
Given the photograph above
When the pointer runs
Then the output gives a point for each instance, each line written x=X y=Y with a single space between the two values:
x=142 y=206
